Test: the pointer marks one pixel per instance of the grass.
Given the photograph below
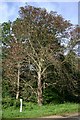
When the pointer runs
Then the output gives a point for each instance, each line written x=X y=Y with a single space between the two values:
x=31 y=110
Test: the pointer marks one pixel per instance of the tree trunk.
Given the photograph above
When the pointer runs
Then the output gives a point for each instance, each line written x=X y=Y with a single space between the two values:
x=18 y=80
x=39 y=91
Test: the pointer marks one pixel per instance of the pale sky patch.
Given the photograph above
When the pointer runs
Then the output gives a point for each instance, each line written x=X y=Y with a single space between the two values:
x=40 y=0
x=68 y=10
x=9 y=11
x=4 y=12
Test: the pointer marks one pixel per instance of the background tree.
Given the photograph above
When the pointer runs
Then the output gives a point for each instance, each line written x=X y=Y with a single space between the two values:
x=13 y=57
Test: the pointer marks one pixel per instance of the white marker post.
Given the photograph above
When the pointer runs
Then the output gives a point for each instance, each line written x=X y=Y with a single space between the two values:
x=20 y=105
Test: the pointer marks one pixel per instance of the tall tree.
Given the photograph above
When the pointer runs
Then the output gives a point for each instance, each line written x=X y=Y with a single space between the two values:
x=41 y=33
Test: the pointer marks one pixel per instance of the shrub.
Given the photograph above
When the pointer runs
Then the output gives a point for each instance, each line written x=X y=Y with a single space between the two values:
x=7 y=102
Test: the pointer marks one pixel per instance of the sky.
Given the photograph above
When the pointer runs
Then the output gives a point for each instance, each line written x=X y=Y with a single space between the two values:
x=68 y=10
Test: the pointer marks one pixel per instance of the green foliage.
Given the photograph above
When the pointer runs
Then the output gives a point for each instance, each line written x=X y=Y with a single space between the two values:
x=5 y=88
x=30 y=106
x=7 y=102
x=51 y=95
x=17 y=103
x=6 y=32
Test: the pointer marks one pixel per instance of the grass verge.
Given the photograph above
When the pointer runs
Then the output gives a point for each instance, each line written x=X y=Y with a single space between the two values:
x=31 y=110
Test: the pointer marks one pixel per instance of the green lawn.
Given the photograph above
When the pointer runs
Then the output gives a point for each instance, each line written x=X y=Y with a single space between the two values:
x=31 y=110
